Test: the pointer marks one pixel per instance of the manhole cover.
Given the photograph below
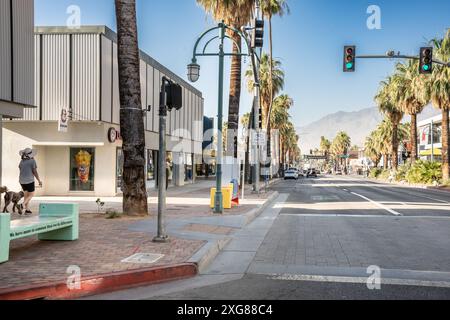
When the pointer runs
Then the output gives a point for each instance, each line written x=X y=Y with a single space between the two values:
x=145 y=258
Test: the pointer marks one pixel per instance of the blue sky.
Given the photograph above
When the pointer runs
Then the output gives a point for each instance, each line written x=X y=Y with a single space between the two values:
x=308 y=42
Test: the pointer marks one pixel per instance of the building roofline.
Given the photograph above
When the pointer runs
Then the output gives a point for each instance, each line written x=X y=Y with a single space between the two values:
x=425 y=122
x=111 y=35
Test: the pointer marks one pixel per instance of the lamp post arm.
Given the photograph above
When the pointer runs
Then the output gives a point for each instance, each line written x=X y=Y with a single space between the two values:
x=200 y=39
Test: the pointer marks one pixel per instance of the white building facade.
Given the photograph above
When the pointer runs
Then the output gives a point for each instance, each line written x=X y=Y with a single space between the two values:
x=430 y=139
x=76 y=74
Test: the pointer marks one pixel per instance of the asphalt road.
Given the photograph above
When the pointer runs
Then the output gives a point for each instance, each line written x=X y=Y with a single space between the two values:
x=327 y=238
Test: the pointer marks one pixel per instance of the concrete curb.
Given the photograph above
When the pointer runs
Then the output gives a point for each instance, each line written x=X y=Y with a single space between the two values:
x=412 y=186
x=209 y=252
x=253 y=214
x=102 y=283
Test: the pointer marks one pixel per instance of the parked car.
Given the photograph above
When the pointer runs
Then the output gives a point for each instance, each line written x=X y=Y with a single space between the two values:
x=291 y=174
x=338 y=173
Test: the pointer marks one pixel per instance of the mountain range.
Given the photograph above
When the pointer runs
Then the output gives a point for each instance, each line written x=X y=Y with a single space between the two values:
x=357 y=124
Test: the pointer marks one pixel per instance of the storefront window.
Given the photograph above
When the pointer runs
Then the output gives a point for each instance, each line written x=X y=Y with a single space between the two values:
x=188 y=167
x=119 y=169
x=169 y=168
x=82 y=169
x=151 y=165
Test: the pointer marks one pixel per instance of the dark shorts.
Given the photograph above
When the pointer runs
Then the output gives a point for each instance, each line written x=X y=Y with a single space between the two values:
x=29 y=187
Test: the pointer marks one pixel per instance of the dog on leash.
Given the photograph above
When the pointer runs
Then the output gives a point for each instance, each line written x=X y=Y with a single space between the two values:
x=15 y=198
x=2 y=191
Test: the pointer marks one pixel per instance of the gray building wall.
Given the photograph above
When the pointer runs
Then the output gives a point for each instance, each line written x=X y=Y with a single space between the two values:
x=16 y=61
x=16 y=51
x=78 y=68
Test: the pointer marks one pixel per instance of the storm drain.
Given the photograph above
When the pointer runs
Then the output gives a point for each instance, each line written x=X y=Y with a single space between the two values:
x=143 y=258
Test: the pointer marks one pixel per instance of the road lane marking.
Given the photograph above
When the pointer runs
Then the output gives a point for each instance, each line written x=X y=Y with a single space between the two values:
x=438 y=200
x=318 y=215
x=360 y=280
x=379 y=205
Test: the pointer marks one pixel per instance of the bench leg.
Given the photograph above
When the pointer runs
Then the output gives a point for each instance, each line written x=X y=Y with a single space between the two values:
x=66 y=234
x=5 y=221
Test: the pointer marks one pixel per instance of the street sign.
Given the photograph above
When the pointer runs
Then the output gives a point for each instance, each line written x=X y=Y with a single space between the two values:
x=259 y=139
x=316 y=157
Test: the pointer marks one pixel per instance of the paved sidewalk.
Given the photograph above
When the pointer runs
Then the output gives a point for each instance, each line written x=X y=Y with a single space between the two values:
x=196 y=236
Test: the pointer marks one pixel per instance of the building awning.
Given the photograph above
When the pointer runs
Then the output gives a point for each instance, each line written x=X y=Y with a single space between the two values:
x=425 y=153
x=68 y=144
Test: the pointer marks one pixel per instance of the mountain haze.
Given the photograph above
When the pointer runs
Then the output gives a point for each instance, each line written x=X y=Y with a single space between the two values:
x=357 y=124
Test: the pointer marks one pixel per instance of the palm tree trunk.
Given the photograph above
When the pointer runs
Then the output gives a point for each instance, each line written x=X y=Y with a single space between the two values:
x=385 y=161
x=395 y=146
x=131 y=120
x=235 y=96
x=413 y=139
x=445 y=144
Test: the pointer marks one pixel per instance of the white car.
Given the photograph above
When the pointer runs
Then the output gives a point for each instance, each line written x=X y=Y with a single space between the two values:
x=291 y=174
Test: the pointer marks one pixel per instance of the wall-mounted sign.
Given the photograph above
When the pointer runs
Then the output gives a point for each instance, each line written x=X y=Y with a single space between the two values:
x=113 y=135
x=63 y=122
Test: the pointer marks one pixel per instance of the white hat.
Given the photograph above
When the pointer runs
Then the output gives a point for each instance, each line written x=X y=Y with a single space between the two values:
x=30 y=153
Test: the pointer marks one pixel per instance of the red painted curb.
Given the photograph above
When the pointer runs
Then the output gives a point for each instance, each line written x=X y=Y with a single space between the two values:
x=102 y=283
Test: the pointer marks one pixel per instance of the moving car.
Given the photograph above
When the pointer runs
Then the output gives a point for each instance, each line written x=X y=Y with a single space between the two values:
x=312 y=173
x=291 y=174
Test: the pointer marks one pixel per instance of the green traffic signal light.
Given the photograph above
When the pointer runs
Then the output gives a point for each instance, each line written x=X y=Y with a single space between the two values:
x=426 y=67
x=349 y=65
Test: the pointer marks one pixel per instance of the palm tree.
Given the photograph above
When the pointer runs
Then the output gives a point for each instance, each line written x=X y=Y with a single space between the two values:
x=280 y=117
x=437 y=89
x=325 y=146
x=371 y=148
x=340 y=146
x=131 y=120
x=383 y=138
x=408 y=84
x=268 y=84
x=269 y=9
x=236 y=13
x=387 y=106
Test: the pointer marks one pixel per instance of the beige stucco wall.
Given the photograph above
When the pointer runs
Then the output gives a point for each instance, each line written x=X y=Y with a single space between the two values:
x=54 y=161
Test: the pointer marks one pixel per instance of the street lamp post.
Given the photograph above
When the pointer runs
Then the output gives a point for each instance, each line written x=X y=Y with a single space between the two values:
x=194 y=74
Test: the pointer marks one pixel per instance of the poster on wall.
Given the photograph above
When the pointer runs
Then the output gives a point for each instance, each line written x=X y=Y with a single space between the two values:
x=63 y=122
x=82 y=169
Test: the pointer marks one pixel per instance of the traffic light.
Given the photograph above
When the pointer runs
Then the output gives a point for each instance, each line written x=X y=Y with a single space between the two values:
x=426 y=60
x=349 y=58
x=258 y=34
x=260 y=122
x=174 y=96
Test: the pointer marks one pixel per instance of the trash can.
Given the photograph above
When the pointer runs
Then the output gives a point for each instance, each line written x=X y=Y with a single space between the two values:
x=227 y=193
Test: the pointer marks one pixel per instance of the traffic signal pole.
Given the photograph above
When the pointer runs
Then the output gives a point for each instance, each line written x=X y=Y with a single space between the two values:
x=393 y=55
x=161 y=234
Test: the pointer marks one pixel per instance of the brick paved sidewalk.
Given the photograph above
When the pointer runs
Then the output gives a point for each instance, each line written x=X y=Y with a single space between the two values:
x=104 y=243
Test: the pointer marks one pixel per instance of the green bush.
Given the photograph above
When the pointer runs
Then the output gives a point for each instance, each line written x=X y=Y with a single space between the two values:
x=374 y=173
x=384 y=175
x=402 y=171
x=113 y=214
x=425 y=172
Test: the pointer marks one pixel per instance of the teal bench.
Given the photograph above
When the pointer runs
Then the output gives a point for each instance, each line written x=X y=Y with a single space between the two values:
x=56 y=222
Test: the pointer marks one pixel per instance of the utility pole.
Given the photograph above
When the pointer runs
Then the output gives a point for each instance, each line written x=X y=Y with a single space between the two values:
x=432 y=141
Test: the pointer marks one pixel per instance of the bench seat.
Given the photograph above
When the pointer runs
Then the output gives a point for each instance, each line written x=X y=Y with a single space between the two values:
x=56 y=222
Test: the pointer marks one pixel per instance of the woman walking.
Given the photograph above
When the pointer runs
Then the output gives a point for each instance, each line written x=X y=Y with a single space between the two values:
x=28 y=172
